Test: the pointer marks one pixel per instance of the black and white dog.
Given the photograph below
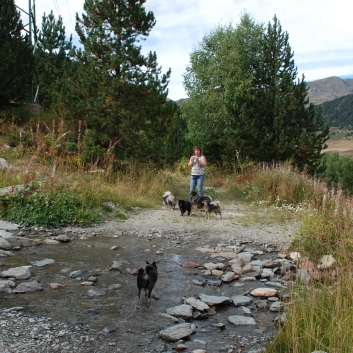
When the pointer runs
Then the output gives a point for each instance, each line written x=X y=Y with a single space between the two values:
x=146 y=278
x=170 y=199
x=184 y=206
x=199 y=201
x=212 y=207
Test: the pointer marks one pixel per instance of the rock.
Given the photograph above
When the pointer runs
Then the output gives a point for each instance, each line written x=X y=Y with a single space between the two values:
x=15 y=243
x=326 y=261
x=184 y=311
x=246 y=310
x=215 y=283
x=236 y=261
x=5 y=288
x=167 y=316
x=275 y=284
x=63 y=238
x=190 y=265
x=229 y=277
x=199 y=351
x=108 y=329
x=199 y=283
x=177 y=332
x=212 y=266
x=87 y=283
x=22 y=272
x=3 y=164
x=277 y=306
x=8 y=226
x=42 y=263
x=76 y=274
x=116 y=266
x=51 y=242
x=215 y=300
x=246 y=256
x=180 y=347
x=303 y=276
x=248 y=268
x=206 y=250
x=237 y=269
x=28 y=287
x=280 y=320
x=56 y=285
x=132 y=272
x=4 y=244
x=27 y=242
x=239 y=320
x=4 y=253
x=96 y=292
x=295 y=256
x=308 y=265
x=247 y=279
x=264 y=292
x=114 y=286
x=239 y=300
x=115 y=247
x=217 y=273
x=197 y=304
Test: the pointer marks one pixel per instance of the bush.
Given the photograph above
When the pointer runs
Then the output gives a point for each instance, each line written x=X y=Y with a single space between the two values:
x=46 y=210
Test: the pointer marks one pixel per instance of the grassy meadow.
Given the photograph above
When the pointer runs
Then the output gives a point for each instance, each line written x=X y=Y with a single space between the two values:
x=319 y=315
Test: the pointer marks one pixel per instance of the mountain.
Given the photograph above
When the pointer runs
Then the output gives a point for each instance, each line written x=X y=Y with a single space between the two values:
x=328 y=89
x=338 y=112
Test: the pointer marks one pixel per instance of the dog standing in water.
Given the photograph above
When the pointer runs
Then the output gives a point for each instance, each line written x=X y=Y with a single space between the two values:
x=170 y=199
x=212 y=207
x=146 y=278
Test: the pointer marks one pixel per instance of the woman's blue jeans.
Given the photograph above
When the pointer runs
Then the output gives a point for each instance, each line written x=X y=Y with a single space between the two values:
x=197 y=180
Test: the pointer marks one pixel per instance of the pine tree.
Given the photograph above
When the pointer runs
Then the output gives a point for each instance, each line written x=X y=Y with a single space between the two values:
x=120 y=92
x=284 y=126
x=16 y=54
x=52 y=55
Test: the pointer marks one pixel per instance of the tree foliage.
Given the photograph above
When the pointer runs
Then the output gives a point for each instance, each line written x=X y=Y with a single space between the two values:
x=17 y=61
x=52 y=57
x=245 y=97
x=117 y=90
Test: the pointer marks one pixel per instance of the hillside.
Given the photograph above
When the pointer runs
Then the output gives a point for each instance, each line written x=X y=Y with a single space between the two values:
x=328 y=89
x=339 y=112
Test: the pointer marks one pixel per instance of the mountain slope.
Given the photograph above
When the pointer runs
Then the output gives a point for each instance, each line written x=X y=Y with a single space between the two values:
x=328 y=89
x=339 y=112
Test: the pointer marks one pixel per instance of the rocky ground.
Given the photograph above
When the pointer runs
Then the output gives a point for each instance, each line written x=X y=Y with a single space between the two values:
x=222 y=283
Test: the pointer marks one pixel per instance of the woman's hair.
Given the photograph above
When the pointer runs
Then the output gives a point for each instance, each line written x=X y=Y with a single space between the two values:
x=197 y=148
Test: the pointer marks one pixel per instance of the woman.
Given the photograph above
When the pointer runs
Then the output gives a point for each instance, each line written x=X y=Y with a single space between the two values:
x=197 y=163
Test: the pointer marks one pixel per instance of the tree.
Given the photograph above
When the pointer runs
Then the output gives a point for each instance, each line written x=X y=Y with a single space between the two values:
x=120 y=92
x=221 y=68
x=16 y=54
x=52 y=54
x=245 y=98
x=280 y=123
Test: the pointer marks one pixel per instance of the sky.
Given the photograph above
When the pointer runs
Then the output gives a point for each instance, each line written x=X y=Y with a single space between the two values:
x=320 y=31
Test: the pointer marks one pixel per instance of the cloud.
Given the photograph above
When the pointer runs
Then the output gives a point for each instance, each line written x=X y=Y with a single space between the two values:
x=319 y=31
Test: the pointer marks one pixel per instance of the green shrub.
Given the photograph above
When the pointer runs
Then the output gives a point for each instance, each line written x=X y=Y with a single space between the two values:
x=46 y=210
x=336 y=169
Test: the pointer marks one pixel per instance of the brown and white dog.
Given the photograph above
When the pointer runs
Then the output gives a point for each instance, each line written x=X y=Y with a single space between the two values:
x=170 y=199
x=212 y=207
x=146 y=278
